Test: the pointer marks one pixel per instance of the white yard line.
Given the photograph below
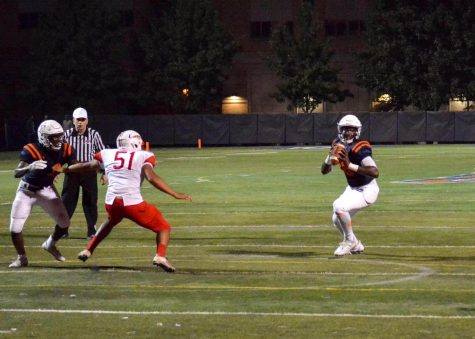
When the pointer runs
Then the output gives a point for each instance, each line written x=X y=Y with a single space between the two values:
x=222 y=313
x=124 y=270
x=280 y=227
x=64 y=245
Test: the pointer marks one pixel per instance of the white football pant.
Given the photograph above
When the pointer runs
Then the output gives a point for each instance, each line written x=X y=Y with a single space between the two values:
x=48 y=198
x=354 y=199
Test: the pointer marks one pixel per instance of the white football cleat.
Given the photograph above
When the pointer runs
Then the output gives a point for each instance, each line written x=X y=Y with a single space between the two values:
x=358 y=248
x=20 y=261
x=163 y=263
x=345 y=248
x=53 y=251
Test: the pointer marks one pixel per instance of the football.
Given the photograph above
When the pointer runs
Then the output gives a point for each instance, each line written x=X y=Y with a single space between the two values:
x=334 y=153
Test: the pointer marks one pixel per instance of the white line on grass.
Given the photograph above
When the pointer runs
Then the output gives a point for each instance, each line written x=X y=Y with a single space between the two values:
x=222 y=313
x=420 y=273
x=283 y=227
x=326 y=226
x=261 y=246
x=120 y=270
x=311 y=246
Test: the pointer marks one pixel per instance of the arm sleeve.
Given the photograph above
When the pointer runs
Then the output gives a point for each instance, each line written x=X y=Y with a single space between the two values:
x=151 y=160
x=368 y=161
x=98 y=157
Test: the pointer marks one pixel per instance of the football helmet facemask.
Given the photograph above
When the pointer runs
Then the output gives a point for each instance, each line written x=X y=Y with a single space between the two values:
x=51 y=135
x=130 y=140
x=343 y=133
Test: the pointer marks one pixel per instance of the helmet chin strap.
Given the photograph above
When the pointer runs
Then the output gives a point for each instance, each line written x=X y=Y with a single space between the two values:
x=349 y=141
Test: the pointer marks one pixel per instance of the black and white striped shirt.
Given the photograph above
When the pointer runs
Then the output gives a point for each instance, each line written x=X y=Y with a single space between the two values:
x=86 y=145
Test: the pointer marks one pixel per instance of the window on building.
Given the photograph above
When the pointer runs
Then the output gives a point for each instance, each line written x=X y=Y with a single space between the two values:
x=335 y=28
x=261 y=30
x=126 y=18
x=344 y=28
x=290 y=26
x=353 y=27
x=356 y=27
x=330 y=28
x=28 y=20
x=341 y=28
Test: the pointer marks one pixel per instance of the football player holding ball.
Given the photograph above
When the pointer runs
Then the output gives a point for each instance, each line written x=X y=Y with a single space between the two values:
x=354 y=157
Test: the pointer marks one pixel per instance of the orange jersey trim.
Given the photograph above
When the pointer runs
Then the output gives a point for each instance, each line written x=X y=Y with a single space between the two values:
x=360 y=145
x=33 y=151
x=67 y=150
x=98 y=157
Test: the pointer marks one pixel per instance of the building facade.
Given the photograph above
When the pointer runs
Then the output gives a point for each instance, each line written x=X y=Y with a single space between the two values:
x=250 y=23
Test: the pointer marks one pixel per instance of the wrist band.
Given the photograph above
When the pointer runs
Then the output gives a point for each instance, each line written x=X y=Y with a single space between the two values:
x=328 y=161
x=353 y=167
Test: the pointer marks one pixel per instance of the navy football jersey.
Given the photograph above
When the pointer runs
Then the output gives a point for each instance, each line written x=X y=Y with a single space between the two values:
x=357 y=151
x=36 y=151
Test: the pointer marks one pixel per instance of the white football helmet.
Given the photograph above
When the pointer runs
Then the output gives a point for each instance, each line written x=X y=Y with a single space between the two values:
x=46 y=130
x=349 y=121
x=130 y=140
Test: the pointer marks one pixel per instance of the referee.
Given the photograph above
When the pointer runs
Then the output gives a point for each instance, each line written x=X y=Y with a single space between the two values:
x=86 y=142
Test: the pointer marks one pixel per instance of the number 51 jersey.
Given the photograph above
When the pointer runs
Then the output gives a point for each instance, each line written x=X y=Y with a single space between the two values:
x=124 y=173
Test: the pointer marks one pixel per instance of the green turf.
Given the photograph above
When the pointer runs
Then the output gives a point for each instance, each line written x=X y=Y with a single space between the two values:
x=254 y=254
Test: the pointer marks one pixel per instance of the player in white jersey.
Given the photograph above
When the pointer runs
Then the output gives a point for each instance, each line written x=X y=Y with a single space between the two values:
x=126 y=167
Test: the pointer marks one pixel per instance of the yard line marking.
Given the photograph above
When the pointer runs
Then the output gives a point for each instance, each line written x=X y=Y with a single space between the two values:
x=314 y=246
x=120 y=270
x=194 y=157
x=219 y=313
x=420 y=273
x=202 y=179
x=273 y=227
x=242 y=288
x=368 y=246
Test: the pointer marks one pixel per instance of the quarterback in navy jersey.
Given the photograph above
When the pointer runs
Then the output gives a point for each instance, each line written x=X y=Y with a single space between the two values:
x=354 y=158
x=37 y=188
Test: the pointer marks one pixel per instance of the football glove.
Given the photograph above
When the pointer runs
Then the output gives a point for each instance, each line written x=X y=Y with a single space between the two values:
x=37 y=165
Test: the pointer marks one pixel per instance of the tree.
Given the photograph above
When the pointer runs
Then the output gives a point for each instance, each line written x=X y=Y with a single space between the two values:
x=187 y=54
x=302 y=62
x=75 y=58
x=420 y=52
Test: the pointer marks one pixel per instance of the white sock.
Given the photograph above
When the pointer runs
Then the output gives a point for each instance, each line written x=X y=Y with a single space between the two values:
x=338 y=225
x=345 y=221
x=50 y=242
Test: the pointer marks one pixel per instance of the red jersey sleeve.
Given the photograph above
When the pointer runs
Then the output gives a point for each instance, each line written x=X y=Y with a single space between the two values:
x=98 y=157
x=150 y=160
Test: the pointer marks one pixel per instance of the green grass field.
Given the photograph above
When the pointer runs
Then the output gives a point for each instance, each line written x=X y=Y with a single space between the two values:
x=254 y=254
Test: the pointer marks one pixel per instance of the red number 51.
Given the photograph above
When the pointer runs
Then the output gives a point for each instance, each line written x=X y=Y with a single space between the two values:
x=119 y=155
